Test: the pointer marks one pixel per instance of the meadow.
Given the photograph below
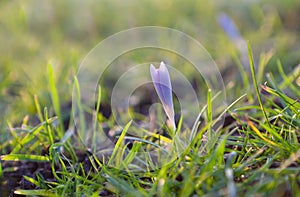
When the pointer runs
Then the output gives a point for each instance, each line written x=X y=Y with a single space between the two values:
x=66 y=67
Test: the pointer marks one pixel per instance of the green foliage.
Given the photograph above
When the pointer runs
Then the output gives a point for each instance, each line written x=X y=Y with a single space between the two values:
x=257 y=153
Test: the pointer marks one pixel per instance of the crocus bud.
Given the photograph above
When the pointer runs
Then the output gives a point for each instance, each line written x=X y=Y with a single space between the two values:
x=162 y=84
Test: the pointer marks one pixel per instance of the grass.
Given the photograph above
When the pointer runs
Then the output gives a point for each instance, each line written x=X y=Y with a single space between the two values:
x=255 y=152
x=258 y=154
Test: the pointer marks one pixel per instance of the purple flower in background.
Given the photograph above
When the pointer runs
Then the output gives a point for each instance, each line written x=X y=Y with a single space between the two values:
x=229 y=26
x=162 y=84
x=233 y=33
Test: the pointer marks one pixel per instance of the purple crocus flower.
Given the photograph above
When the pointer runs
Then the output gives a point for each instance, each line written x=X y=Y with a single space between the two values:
x=233 y=33
x=229 y=27
x=162 y=84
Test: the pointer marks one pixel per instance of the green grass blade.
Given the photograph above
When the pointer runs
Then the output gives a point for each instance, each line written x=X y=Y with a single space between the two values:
x=1 y=171
x=41 y=192
x=291 y=102
x=118 y=144
x=146 y=142
x=197 y=121
x=33 y=181
x=214 y=160
x=24 y=157
x=259 y=134
x=48 y=128
x=131 y=155
x=228 y=108
x=179 y=144
x=55 y=97
x=38 y=108
x=209 y=113
x=250 y=54
x=13 y=132
x=28 y=137
x=80 y=112
x=95 y=130
x=288 y=80
x=263 y=62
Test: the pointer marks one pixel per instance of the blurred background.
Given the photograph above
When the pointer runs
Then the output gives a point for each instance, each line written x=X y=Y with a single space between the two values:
x=33 y=32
